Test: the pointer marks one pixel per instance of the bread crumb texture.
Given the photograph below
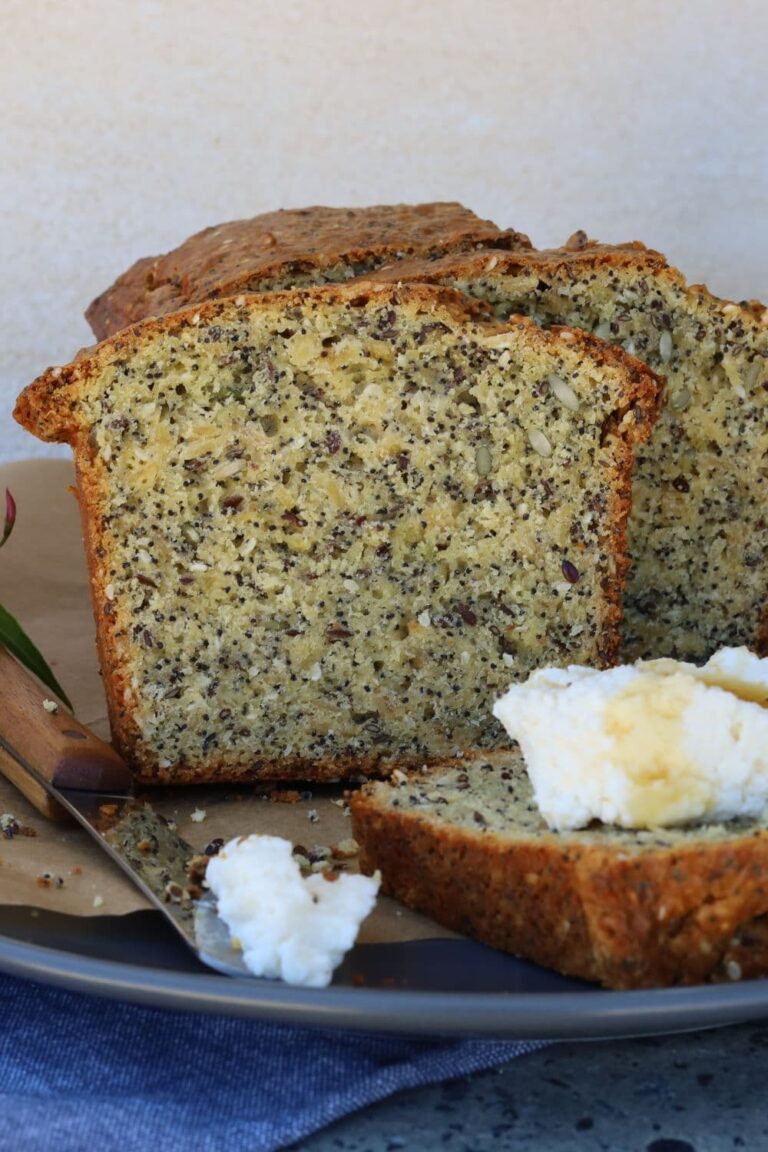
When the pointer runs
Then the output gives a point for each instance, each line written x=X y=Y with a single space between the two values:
x=465 y=844
x=698 y=533
x=326 y=528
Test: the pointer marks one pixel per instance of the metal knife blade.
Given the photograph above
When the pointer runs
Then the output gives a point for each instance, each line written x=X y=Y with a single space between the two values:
x=64 y=769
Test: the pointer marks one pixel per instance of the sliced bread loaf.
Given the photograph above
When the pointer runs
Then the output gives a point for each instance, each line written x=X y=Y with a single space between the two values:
x=288 y=249
x=465 y=844
x=322 y=525
x=698 y=535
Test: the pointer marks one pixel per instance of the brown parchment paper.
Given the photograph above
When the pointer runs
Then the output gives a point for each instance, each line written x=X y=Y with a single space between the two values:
x=43 y=582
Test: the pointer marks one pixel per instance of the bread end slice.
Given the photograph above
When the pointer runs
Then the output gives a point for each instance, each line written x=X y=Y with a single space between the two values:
x=290 y=248
x=465 y=844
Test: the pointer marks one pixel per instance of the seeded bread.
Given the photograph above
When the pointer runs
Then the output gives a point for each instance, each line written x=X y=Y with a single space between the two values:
x=326 y=527
x=289 y=249
x=465 y=844
x=698 y=535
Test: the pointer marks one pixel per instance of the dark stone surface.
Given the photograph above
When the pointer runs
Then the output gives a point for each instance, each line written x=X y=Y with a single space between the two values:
x=698 y=1092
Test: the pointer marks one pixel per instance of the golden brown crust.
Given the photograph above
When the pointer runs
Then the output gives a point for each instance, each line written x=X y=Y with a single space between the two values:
x=244 y=255
x=472 y=265
x=654 y=917
x=91 y=498
x=49 y=408
x=631 y=423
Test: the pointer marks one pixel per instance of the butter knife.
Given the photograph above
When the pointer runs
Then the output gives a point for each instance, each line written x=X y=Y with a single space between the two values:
x=67 y=772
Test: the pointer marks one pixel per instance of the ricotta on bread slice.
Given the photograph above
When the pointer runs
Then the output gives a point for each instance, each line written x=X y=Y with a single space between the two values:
x=698 y=533
x=324 y=528
x=465 y=844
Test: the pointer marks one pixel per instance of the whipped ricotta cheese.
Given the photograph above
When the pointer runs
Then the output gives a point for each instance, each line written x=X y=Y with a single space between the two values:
x=289 y=927
x=655 y=743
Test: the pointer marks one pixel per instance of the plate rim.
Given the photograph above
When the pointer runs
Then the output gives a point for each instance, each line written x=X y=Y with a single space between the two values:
x=564 y=1015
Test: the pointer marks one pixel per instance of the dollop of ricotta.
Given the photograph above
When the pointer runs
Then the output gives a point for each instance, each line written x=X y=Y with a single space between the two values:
x=655 y=743
x=289 y=927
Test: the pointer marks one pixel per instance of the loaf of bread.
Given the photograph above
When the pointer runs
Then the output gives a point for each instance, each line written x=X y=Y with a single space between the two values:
x=325 y=528
x=698 y=534
x=465 y=844
x=289 y=249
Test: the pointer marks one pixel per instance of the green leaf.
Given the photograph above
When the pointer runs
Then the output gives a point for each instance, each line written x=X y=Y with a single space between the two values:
x=19 y=645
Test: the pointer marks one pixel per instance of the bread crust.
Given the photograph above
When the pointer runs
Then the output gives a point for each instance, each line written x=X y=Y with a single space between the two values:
x=49 y=408
x=569 y=260
x=244 y=255
x=653 y=917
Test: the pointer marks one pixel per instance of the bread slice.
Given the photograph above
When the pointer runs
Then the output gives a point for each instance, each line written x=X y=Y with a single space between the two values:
x=289 y=249
x=321 y=524
x=465 y=844
x=698 y=535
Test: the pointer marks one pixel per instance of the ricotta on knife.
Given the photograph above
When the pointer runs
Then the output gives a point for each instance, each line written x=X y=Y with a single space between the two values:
x=653 y=743
x=290 y=927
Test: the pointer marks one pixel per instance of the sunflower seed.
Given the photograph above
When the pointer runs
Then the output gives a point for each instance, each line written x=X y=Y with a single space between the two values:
x=539 y=442
x=564 y=392
x=752 y=374
x=680 y=399
x=483 y=460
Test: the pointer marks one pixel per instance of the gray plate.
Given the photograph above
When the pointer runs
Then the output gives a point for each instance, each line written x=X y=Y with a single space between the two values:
x=433 y=986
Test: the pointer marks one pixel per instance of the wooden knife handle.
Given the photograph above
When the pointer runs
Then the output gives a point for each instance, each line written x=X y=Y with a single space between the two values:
x=52 y=742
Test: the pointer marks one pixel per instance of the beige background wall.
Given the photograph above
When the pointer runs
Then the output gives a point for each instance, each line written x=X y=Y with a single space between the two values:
x=126 y=126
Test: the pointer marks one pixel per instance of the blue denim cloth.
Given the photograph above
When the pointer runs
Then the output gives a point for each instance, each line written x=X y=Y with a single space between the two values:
x=82 y=1074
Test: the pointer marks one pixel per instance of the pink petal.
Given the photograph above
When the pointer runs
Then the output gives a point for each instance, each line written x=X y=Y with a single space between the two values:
x=10 y=516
